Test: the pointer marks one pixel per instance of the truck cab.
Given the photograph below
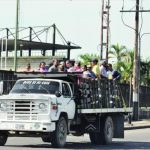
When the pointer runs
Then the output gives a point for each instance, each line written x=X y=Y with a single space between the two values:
x=41 y=106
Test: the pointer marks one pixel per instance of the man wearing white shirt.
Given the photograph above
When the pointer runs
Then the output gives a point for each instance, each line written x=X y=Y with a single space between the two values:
x=103 y=70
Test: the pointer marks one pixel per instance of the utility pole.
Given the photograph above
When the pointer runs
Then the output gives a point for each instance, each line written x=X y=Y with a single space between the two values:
x=16 y=34
x=136 y=69
x=102 y=20
x=107 y=37
x=54 y=39
x=136 y=66
x=105 y=30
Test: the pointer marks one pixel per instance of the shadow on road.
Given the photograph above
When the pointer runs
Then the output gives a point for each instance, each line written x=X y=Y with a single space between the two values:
x=89 y=146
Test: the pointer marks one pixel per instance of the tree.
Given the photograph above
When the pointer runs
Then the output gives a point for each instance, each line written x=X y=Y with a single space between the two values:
x=118 y=52
x=87 y=58
x=130 y=58
x=145 y=72
x=127 y=66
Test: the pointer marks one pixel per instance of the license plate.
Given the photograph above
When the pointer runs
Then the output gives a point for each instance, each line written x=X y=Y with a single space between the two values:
x=19 y=126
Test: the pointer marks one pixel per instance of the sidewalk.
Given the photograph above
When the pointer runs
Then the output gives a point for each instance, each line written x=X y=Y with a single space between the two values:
x=137 y=124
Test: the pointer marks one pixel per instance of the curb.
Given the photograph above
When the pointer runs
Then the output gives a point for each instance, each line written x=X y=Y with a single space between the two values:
x=136 y=127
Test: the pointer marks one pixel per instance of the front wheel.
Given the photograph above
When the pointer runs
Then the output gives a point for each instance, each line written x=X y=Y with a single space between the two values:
x=3 y=138
x=58 y=137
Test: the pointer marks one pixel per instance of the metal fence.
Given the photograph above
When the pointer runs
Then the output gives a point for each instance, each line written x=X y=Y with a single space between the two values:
x=100 y=94
x=144 y=95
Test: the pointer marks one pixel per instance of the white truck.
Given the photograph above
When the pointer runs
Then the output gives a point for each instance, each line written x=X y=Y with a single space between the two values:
x=53 y=105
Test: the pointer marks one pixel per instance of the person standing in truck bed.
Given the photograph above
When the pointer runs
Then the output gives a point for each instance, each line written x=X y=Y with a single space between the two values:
x=54 y=67
x=115 y=74
x=103 y=69
x=95 y=67
x=27 y=68
x=42 y=67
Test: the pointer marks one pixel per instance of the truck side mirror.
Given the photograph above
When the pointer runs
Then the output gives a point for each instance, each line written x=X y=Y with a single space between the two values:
x=1 y=87
x=58 y=93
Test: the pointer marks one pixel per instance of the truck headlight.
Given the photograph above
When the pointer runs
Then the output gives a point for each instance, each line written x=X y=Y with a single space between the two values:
x=3 y=106
x=42 y=106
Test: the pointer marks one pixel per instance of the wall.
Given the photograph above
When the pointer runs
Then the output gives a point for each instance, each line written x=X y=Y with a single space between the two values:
x=23 y=61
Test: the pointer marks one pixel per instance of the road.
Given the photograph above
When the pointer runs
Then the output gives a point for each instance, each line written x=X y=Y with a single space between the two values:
x=134 y=139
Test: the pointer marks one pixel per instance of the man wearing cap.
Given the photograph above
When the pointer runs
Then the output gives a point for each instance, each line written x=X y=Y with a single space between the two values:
x=95 y=67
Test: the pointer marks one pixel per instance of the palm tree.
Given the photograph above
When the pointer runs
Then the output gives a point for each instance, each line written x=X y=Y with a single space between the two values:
x=126 y=71
x=118 y=52
x=86 y=58
x=130 y=58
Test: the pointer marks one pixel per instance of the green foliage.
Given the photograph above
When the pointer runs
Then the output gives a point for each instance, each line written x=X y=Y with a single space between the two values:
x=87 y=58
x=145 y=72
x=124 y=63
x=118 y=52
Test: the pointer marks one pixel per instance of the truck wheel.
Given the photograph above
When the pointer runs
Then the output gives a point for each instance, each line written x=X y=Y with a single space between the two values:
x=107 y=131
x=3 y=139
x=58 y=137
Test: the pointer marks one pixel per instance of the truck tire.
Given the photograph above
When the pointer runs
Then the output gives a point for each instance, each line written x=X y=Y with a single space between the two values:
x=58 y=137
x=106 y=133
x=3 y=139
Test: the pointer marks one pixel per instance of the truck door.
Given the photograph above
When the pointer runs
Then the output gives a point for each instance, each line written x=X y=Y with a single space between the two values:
x=68 y=102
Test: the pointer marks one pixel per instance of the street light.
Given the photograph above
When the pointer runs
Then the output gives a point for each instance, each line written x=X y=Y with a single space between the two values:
x=16 y=34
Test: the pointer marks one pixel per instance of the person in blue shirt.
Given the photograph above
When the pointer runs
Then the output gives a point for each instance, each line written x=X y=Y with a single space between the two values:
x=115 y=74
x=88 y=73
x=91 y=74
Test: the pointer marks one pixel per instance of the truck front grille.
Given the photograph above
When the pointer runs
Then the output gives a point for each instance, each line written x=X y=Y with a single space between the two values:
x=25 y=107
x=23 y=110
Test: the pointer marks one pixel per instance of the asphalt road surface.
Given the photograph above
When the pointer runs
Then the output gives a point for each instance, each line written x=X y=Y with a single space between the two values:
x=134 y=139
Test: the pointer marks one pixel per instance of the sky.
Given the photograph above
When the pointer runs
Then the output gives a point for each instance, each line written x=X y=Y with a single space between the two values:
x=80 y=21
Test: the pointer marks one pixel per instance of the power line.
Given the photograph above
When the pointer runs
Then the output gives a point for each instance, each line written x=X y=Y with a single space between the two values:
x=134 y=11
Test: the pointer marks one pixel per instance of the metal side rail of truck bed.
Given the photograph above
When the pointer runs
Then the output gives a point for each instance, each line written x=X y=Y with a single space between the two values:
x=105 y=110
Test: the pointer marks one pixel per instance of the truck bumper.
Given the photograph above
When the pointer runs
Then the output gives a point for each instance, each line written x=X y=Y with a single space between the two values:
x=27 y=126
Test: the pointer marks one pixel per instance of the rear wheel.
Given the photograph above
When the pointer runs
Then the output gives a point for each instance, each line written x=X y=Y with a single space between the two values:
x=3 y=138
x=106 y=133
x=58 y=137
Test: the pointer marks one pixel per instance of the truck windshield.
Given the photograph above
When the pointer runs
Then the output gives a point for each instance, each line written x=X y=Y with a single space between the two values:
x=35 y=86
